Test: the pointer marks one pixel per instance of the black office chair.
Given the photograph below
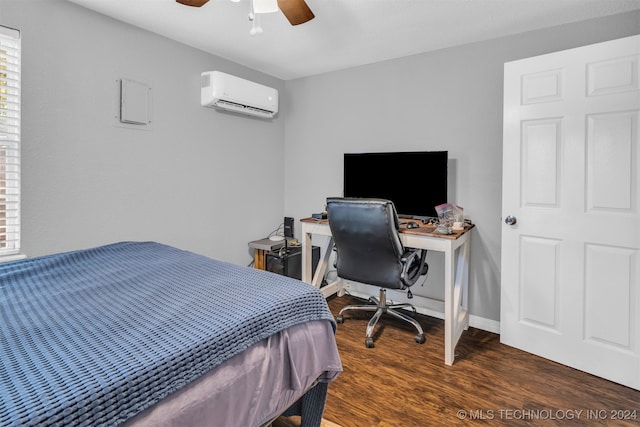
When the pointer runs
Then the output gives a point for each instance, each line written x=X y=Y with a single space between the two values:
x=369 y=250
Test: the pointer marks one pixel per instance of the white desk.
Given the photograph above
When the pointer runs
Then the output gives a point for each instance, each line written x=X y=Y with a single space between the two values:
x=456 y=275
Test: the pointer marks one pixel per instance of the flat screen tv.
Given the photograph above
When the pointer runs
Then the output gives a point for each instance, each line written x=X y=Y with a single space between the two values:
x=416 y=182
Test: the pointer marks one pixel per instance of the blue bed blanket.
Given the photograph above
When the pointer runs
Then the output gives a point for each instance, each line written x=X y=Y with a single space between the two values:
x=93 y=337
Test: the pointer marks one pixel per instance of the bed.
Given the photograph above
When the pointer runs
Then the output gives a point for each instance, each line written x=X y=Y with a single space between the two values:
x=145 y=334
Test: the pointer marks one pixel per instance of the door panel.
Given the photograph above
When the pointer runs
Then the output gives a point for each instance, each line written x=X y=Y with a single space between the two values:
x=609 y=283
x=610 y=157
x=570 y=263
x=538 y=281
x=541 y=142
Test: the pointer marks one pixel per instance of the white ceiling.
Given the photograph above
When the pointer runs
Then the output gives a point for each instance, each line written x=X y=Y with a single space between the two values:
x=347 y=33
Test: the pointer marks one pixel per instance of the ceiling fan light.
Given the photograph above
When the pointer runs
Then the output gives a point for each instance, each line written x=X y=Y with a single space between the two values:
x=265 y=6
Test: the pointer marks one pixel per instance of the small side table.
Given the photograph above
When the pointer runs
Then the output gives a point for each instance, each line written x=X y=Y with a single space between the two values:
x=261 y=248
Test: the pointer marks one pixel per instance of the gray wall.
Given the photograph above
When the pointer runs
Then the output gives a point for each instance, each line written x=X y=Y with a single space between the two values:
x=197 y=180
x=445 y=100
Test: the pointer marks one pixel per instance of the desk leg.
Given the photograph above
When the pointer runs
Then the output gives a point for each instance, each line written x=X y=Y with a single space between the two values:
x=449 y=345
x=315 y=278
x=322 y=264
x=334 y=287
x=456 y=289
x=308 y=275
x=462 y=282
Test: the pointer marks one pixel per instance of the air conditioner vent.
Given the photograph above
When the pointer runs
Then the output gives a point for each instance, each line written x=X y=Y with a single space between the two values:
x=240 y=108
x=232 y=93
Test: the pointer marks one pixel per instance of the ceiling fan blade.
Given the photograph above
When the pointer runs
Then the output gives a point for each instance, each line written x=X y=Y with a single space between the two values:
x=296 y=11
x=194 y=3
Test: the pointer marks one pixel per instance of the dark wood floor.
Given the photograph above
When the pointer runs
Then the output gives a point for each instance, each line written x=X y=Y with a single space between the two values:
x=401 y=383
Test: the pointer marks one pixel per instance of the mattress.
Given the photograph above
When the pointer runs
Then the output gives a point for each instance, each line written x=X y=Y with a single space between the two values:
x=97 y=336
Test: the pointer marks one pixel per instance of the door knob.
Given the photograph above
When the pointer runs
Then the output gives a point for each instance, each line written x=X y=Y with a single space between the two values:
x=510 y=220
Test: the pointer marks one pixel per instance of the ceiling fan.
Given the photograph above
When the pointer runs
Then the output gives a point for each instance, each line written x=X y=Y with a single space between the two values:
x=296 y=11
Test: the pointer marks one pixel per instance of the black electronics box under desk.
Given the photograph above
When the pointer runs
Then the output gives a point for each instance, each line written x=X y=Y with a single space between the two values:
x=289 y=263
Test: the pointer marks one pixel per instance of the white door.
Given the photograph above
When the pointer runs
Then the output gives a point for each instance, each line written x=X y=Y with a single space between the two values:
x=571 y=260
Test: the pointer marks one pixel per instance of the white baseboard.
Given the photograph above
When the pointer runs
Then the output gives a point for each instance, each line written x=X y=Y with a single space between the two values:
x=485 y=324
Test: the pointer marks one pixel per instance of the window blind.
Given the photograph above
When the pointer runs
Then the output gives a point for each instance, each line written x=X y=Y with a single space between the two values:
x=9 y=141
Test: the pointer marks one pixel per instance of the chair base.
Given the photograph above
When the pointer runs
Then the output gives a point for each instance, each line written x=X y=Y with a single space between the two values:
x=381 y=307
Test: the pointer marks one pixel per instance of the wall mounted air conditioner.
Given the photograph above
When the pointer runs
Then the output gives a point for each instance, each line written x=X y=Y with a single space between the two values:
x=232 y=93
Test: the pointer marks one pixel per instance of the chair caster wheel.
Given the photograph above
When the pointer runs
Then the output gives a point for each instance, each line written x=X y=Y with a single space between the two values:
x=368 y=342
x=420 y=339
x=339 y=319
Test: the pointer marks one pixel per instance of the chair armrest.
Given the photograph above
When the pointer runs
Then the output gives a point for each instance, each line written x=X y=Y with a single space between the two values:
x=408 y=260
x=408 y=255
x=414 y=266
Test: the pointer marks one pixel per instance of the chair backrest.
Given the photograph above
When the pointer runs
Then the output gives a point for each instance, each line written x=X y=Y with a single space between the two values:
x=367 y=242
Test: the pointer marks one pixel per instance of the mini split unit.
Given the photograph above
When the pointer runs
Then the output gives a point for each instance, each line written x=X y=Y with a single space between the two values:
x=227 y=92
